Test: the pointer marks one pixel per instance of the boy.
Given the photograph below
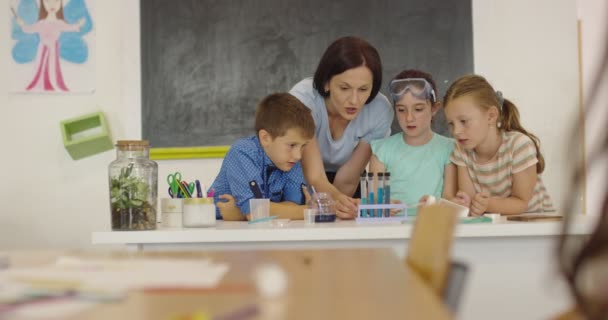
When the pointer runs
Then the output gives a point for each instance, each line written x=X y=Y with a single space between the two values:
x=267 y=165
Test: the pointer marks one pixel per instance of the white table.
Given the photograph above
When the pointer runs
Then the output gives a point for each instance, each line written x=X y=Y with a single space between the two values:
x=296 y=234
x=513 y=269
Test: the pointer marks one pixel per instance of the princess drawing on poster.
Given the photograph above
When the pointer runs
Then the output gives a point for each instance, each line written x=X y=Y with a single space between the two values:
x=52 y=46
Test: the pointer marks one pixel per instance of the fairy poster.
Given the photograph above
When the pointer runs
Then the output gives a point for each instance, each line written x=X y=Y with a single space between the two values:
x=52 y=46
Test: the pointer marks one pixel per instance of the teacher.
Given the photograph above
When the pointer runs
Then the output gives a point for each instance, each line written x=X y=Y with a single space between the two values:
x=349 y=112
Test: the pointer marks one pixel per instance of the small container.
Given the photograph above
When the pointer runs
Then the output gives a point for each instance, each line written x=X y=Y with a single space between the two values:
x=198 y=212
x=325 y=205
x=171 y=209
x=309 y=216
x=133 y=180
x=259 y=209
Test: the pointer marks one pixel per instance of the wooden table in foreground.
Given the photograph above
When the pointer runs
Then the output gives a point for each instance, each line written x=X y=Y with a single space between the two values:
x=323 y=284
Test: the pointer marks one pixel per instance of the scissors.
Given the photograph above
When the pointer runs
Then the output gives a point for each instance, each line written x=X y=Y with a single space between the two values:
x=174 y=180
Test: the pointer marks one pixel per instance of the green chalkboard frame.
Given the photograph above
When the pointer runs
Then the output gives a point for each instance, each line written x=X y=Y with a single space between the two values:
x=188 y=152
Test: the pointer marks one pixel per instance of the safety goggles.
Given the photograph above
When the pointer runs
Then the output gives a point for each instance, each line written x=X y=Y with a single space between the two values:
x=418 y=87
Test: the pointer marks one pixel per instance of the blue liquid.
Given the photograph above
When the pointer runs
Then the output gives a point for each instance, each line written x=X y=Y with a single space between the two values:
x=380 y=201
x=363 y=211
x=387 y=200
x=370 y=212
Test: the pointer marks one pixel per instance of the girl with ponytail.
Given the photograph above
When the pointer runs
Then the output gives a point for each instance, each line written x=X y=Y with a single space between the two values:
x=498 y=161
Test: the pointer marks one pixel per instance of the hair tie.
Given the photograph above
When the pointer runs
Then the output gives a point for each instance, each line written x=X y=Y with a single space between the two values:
x=501 y=100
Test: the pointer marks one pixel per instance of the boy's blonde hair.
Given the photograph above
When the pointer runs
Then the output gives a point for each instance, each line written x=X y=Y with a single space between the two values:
x=280 y=112
x=484 y=95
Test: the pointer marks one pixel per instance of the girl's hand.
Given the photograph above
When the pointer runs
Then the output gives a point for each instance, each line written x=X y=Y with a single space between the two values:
x=19 y=22
x=462 y=198
x=396 y=211
x=480 y=203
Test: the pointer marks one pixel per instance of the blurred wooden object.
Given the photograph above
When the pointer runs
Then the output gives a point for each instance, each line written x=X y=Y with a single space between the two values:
x=322 y=284
x=429 y=252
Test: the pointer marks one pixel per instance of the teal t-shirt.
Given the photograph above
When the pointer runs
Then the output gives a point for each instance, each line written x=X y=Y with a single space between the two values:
x=415 y=170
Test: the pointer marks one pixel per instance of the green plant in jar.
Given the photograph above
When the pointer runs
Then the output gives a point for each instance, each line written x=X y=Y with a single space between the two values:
x=133 y=188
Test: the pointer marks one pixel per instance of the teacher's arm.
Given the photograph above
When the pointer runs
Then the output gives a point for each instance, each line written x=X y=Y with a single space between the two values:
x=314 y=173
x=347 y=177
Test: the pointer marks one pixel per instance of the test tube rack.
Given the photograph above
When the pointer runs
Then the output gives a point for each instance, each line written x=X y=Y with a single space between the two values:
x=362 y=219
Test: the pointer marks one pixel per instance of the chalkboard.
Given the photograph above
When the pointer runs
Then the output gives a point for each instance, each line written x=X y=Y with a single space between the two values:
x=207 y=63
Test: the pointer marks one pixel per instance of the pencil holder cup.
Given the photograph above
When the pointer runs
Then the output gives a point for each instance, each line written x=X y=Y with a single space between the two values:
x=172 y=209
x=198 y=212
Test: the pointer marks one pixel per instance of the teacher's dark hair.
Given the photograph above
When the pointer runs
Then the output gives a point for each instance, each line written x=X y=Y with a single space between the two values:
x=347 y=53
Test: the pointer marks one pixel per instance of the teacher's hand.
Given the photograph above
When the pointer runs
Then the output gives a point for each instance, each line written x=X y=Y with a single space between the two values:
x=346 y=207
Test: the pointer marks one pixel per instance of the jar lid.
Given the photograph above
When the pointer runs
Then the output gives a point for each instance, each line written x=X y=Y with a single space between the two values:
x=132 y=144
x=198 y=200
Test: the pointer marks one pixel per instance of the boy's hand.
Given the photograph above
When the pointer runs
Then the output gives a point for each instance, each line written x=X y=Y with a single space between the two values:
x=346 y=207
x=480 y=203
x=228 y=208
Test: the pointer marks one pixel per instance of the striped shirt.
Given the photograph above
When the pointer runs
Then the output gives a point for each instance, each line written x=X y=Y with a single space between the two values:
x=516 y=153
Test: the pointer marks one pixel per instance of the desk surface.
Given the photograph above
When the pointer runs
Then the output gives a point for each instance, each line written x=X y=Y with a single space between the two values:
x=322 y=284
x=297 y=231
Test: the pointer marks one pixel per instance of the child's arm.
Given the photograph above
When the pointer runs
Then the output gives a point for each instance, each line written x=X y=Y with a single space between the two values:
x=347 y=177
x=465 y=184
x=521 y=193
x=286 y=210
x=283 y=210
x=450 y=181
x=228 y=208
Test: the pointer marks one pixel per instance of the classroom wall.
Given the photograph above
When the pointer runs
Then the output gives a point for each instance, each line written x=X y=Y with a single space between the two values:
x=527 y=49
x=49 y=200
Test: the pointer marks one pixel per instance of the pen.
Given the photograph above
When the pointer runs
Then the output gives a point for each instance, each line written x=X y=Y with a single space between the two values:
x=199 y=192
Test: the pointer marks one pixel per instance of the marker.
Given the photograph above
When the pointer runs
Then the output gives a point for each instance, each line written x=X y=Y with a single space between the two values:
x=14 y=13
x=255 y=189
x=199 y=192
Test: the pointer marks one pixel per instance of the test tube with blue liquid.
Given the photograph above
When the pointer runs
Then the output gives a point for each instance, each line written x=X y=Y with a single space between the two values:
x=387 y=192
x=380 y=194
x=363 y=184
x=370 y=195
